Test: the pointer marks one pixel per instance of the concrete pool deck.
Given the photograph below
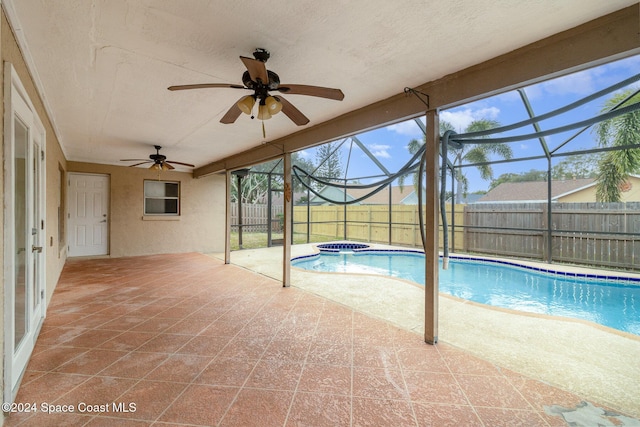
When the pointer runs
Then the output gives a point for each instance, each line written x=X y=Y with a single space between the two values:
x=594 y=362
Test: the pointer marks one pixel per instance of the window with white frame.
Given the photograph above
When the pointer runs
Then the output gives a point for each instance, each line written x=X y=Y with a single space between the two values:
x=161 y=198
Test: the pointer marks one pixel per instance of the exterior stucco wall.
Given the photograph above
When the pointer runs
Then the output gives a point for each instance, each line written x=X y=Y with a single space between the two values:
x=199 y=228
x=588 y=195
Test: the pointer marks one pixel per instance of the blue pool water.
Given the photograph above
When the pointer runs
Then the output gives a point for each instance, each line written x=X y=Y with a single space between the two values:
x=610 y=303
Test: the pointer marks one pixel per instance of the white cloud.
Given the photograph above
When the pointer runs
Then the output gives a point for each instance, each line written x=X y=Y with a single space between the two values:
x=586 y=82
x=408 y=128
x=581 y=83
x=380 y=150
x=460 y=119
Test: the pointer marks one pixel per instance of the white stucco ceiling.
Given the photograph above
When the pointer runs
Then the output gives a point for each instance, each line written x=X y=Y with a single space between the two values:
x=104 y=65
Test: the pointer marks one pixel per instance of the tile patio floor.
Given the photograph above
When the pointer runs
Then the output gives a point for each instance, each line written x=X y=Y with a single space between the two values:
x=193 y=342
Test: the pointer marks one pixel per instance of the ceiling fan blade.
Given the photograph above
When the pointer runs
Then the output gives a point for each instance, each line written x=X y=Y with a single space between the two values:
x=257 y=69
x=134 y=160
x=180 y=163
x=293 y=113
x=322 y=92
x=231 y=115
x=138 y=164
x=206 y=86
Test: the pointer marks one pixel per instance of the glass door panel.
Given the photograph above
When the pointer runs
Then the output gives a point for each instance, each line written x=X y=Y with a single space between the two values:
x=36 y=233
x=20 y=233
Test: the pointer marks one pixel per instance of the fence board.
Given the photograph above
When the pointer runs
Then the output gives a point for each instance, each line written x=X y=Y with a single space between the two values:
x=255 y=217
x=582 y=233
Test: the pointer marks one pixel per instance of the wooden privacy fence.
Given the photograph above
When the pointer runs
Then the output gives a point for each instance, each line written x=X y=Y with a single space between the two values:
x=595 y=234
x=368 y=223
x=255 y=217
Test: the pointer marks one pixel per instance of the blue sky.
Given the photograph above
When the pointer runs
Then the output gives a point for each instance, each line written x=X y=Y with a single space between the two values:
x=388 y=144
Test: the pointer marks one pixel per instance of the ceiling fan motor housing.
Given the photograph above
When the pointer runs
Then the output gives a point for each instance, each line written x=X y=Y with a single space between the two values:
x=261 y=54
x=160 y=161
x=158 y=158
x=274 y=81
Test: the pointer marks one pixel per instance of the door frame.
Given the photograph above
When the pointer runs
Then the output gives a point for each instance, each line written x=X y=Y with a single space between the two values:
x=14 y=367
x=69 y=207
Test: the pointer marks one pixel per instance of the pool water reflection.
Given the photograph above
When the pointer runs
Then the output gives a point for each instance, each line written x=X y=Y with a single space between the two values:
x=612 y=302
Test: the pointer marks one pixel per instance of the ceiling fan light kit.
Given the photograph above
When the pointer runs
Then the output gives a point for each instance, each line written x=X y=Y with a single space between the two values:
x=246 y=104
x=273 y=104
x=263 y=112
x=260 y=80
x=156 y=167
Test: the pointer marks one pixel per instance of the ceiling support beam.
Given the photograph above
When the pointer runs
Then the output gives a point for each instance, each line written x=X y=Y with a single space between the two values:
x=604 y=39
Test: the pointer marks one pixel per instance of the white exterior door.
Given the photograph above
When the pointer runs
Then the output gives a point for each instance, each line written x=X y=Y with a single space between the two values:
x=88 y=214
x=24 y=226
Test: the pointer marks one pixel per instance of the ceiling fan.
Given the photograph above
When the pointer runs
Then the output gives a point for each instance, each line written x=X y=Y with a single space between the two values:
x=159 y=161
x=260 y=80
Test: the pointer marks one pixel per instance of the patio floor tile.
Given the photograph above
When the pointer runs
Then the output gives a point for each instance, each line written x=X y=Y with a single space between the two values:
x=209 y=344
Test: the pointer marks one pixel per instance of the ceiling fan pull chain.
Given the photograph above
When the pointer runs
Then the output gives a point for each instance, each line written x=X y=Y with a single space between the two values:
x=264 y=134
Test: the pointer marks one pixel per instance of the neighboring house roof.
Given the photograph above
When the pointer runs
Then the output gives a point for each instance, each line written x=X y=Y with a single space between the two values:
x=398 y=195
x=534 y=191
x=332 y=193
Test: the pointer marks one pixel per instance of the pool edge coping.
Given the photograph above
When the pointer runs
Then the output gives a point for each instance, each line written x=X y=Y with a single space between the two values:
x=603 y=328
x=524 y=264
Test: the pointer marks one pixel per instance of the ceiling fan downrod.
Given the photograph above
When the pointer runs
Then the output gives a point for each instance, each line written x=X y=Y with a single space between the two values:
x=261 y=54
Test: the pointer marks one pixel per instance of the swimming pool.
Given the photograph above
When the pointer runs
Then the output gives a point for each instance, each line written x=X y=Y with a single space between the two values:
x=606 y=300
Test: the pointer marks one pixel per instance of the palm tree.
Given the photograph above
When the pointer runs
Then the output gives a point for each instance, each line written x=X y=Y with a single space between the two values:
x=476 y=153
x=615 y=166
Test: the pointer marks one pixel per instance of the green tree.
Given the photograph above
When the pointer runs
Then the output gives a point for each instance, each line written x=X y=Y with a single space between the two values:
x=578 y=166
x=305 y=165
x=256 y=184
x=414 y=146
x=470 y=153
x=478 y=153
x=615 y=166
x=573 y=167
x=328 y=163
x=531 y=175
